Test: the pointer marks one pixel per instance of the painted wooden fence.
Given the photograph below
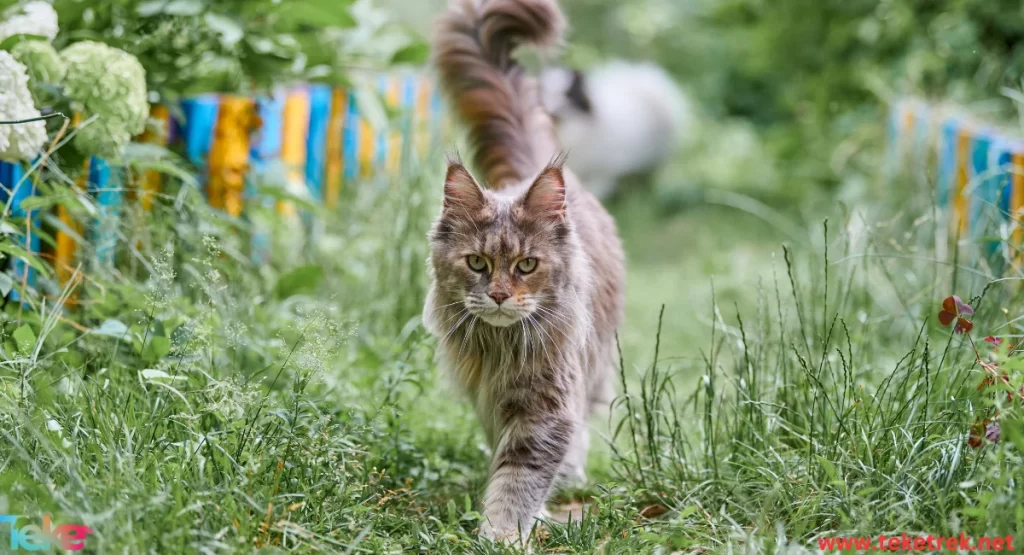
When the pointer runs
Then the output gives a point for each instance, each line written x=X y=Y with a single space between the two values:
x=15 y=187
x=316 y=132
x=978 y=171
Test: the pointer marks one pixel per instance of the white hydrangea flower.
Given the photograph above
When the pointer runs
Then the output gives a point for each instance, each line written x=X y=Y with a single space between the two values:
x=117 y=103
x=22 y=141
x=34 y=18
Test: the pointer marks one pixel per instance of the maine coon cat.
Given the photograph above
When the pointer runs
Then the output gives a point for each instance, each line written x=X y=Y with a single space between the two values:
x=527 y=268
x=617 y=119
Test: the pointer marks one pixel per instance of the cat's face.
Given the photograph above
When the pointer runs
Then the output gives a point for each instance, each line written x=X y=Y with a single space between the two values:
x=501 y=259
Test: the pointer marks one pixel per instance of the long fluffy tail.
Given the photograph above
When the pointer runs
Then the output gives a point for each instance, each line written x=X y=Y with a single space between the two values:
x=473 y=53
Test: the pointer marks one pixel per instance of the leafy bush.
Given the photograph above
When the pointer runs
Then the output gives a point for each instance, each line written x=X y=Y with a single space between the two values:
x=239 y=46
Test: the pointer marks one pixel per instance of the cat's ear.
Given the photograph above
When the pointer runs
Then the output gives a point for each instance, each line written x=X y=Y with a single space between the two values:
x=461 y=192
x=546 y=196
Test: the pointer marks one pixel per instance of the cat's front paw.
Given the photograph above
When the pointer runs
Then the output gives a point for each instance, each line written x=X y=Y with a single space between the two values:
x=502 y=535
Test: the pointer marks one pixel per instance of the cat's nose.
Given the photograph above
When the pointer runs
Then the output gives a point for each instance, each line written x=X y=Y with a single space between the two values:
x=499 y=297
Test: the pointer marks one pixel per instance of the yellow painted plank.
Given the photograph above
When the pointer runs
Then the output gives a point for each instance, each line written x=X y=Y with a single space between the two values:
x=148 y=188
x=335 y=158
x=229 y=154
x=293 y=147
x=394 y=157
x=421 y=129
x=66 y=248
x=367 y=147
x=963 y=162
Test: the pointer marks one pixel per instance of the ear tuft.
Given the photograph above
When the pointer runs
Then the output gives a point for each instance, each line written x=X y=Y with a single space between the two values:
x=546 y=197
x=461 y=192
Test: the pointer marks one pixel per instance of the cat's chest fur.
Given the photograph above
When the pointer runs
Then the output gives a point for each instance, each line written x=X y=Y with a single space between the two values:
x=487 y=381
x=500 y=380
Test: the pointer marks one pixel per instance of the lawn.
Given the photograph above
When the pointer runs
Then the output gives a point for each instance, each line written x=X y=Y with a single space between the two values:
x=297 y=406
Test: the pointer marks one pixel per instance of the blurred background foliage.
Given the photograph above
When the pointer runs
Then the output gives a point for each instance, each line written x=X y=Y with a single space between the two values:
x=241 y=46
x=791 y=93
x=811 y=76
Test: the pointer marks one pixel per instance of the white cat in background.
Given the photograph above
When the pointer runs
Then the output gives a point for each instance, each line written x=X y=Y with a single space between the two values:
x=618 y=119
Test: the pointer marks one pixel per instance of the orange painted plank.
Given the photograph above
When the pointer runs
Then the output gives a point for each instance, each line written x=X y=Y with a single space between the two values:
x=1017 y=205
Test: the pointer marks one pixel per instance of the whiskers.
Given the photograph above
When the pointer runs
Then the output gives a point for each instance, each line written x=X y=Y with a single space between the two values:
x=469 y=333
x=537 y=328
x=444 y=306
x=464 y=315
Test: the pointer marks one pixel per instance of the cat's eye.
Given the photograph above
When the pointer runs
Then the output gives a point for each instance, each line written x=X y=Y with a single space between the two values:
x=476 y=262
x=527 y=265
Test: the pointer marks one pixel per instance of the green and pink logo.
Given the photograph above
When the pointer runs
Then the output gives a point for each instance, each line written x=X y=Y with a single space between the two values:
x=43 y=537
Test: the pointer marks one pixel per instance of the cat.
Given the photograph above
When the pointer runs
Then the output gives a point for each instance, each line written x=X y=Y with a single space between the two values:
x=527 y=274
x=619 y=119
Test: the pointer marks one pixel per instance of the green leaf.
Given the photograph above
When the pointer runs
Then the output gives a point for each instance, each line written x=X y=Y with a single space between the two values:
x=278 y=193
x=138 y=159
x=304 y=279
x=60 y=225
x=829 y=468
x=415 y=53
x=184 y=7
x=157 y=348
x=6 y=284
x=151 y=8
x=25 y=338
x=112 y=328
x=12 y=40
x=151 y=374
x=170 y=7
x=230 y=31
x=1013 y=431
x=316 y=14
x=371 y=106
x=32 y=203
x=14 y=251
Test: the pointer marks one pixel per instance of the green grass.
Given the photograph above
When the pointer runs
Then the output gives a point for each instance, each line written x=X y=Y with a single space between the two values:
x=771 y=395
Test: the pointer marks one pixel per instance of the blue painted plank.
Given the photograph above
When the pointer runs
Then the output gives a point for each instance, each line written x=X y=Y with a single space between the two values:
x=381 y=155
x=266 y=145
x=105 y=185
x=1002 y=163
x=947 y=161
x=892 y=135
x=264 y=151
x=436 y=107
x=350 y=139
x=316 y=142
x=409 y=87
x=197 y=129
x=16 y=189
x=979 y=186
